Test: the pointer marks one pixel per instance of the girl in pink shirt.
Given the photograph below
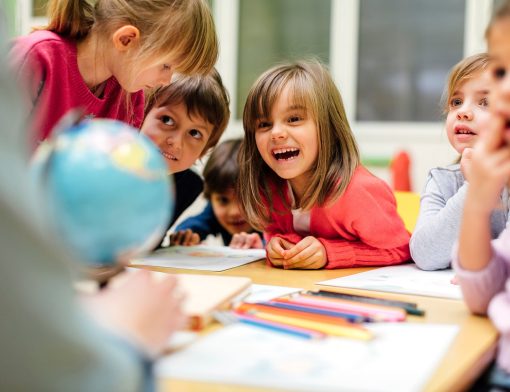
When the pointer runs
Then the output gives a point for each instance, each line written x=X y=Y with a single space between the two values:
x=482 y=266
x=301 y=180
x=100 y=58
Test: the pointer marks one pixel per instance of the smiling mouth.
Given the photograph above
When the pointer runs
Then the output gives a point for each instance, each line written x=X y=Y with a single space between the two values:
x=168 y=156
x=285 y=154
x=464 y=132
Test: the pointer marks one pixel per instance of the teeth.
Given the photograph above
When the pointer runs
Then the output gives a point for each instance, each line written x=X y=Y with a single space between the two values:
x=169 y=156
x=284 y=150
x=465 y=132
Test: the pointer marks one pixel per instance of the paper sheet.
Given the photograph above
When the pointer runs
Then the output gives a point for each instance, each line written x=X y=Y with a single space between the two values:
x=265 y=292
x=402 y=357
x=201 y=257
x=406 y=279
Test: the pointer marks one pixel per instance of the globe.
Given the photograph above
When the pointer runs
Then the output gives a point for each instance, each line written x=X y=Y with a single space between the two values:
x=107 y=189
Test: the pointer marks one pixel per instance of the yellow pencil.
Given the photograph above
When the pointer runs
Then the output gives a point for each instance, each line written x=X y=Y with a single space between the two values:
x=354 y=332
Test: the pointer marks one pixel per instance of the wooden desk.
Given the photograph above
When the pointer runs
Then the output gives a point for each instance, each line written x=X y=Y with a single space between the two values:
x=469 y=354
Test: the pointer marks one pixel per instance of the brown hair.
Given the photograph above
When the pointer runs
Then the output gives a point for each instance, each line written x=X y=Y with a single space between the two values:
x=222 y=169
x=462 y=71
x=203 y=95
x=313 y=88
x=181 y=29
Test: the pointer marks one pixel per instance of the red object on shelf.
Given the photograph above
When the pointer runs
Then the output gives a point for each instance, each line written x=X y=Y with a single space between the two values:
x=400 y=172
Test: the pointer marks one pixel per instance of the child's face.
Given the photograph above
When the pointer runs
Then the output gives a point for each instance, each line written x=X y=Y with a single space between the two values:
x=468 y=113
x=180 y=138
x=226 y=209
x=499 y=50
x=288 y=141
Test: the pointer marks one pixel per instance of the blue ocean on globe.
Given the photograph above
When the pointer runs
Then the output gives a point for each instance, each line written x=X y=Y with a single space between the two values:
x=108 y=190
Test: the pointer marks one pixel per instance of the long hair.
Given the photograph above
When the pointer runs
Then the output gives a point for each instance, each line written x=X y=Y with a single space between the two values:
x=203 y=95
x=460 y=73
x=177 y=29
x=312 y=87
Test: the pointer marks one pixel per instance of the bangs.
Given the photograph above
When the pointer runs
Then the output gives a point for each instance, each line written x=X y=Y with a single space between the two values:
x=262 y=99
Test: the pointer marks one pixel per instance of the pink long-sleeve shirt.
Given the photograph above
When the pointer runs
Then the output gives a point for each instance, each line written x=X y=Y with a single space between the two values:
x=361 y=228
x=47 y=68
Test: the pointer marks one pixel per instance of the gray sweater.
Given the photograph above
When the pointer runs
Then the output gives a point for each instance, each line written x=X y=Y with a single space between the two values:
x=438 y=225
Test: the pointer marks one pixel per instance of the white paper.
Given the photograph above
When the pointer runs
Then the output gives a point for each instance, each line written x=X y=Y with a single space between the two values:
x=265 y=292
x=201 y=257
x=407 y=279
x=402 y=357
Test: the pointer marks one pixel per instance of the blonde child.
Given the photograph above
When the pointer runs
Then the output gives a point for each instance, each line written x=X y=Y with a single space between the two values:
x=185 y=120
x=301 y=180
x=101 y=57
x=223 y=215
x=482 y=265
x=467 y=116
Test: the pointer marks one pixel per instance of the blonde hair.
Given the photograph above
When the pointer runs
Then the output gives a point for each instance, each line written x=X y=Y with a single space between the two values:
x=203 y=95
x=460 y=73
x=183 y=29
x=313 y=88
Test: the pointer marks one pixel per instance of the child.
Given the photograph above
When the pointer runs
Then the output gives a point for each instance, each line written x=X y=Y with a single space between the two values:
x=301 y=181
x=223 y=214
x=100 y=58
x=482 y=266
x=185 y=120
x=41 y=314
x=443 y=198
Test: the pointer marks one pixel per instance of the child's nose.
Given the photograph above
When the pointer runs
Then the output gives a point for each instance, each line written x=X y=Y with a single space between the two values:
x=278 y=132
x=465 y=114
x=175 y=140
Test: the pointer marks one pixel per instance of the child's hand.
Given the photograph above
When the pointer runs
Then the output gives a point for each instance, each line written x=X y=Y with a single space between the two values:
x=141 y=307
x=490 y=168
x=246 y=241
x=275 y=249
x=184 y=238
x=309 y=253
x=465 y=162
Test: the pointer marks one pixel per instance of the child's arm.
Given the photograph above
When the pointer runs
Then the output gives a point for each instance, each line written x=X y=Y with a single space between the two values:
x=439 y=220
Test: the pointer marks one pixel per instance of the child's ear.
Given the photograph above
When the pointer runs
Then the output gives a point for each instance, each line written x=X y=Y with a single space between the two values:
x=126 y=37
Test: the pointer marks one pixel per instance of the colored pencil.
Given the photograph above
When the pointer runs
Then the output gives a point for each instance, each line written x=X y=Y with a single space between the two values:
x=351 y=317
x=280 y=327
x=268 y=308
x=373 y=312
x=409 y=307
x=349 y=331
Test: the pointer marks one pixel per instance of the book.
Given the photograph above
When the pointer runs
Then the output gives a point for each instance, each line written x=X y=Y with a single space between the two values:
x=200 y=257
x=206 y=293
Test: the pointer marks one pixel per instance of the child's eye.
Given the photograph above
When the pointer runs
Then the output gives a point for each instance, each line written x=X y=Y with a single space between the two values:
x=196 y=134
x=261 y=125
x=455 y=102
x=484 y=102
x=499 y=72
x=167 y=120
x=167 y=67
x=295 y=118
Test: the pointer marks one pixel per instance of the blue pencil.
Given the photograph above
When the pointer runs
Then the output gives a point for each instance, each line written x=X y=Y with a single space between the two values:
x=274 y=326
x=354 y=318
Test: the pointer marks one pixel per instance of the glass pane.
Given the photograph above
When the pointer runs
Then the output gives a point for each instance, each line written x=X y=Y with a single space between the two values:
x=39 y=7
x=272 y=31
x=406 y=49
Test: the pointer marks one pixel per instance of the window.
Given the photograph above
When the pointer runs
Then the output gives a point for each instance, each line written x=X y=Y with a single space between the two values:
x=406 y=49
x=272 y=31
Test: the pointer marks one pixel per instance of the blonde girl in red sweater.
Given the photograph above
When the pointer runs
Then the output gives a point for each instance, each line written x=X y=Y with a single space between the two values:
x=301 y=180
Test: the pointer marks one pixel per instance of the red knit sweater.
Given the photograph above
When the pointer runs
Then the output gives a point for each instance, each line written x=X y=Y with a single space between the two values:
x=47 y=68
x=361 y=228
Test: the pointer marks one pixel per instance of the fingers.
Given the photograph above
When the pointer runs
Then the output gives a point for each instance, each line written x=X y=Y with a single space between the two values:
x=246 y=241
x=275 y=251
x=185 y=238
x=309 y=253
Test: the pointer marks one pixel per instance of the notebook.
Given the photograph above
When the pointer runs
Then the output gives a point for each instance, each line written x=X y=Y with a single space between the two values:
x=207 y=293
